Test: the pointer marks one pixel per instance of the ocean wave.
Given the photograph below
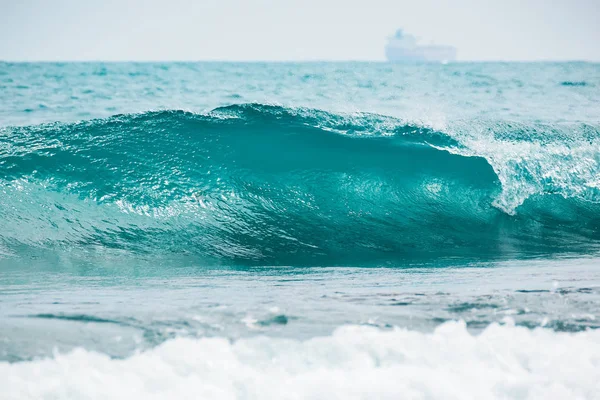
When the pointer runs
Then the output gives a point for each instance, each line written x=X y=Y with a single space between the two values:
x=503 y=362
x=262 y=184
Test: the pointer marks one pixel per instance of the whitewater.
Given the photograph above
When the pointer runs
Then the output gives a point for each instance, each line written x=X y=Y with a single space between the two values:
x=311 y=230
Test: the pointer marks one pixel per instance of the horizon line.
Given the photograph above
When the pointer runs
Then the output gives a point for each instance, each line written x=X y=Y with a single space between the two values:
x=150 y=61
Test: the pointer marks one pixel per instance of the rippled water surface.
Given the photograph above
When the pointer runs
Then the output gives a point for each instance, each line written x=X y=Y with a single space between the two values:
x=207 y=228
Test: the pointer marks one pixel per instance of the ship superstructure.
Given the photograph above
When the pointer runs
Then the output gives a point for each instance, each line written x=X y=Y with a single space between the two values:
x=405 y=48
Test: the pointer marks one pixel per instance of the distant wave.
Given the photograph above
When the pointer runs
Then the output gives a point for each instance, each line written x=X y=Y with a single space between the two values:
x=574 y=83
x=257 y=184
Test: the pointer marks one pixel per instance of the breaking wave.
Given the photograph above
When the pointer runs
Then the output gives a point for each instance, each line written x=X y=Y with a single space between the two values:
x=355 y=362
x=256 y=184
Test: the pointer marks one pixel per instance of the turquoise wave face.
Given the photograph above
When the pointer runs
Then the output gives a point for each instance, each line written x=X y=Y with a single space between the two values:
x=255 y=184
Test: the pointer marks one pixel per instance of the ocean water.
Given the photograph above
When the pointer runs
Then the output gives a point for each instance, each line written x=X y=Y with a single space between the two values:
x=299 y=230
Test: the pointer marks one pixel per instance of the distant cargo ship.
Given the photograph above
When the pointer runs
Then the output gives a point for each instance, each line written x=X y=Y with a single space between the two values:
x=404 y=48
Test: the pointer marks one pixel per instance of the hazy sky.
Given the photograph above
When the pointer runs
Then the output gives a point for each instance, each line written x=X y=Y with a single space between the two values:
x=294 y=29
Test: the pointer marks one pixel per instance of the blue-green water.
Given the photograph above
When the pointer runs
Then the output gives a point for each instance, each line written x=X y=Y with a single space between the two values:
x=204 y=212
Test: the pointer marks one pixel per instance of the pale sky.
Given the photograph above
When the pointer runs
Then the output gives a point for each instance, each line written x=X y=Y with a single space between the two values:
x=287 y=30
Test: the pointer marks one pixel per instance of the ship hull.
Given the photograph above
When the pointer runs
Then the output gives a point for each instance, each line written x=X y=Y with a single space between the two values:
x=421 y=54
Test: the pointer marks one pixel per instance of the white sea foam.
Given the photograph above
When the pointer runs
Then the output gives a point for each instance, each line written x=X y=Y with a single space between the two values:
x=503 y=362
x=534 y=164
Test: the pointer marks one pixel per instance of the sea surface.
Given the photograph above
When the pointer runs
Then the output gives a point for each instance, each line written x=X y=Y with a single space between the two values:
x=299 y=231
